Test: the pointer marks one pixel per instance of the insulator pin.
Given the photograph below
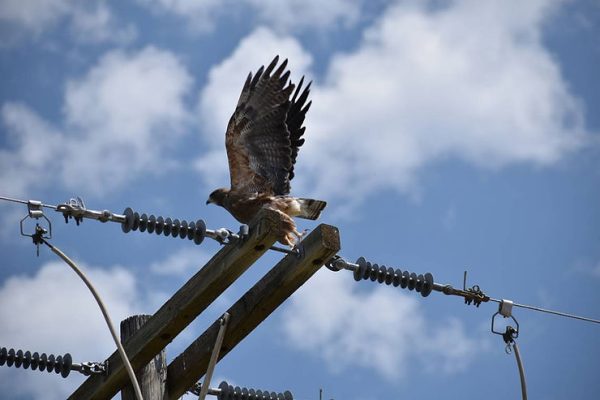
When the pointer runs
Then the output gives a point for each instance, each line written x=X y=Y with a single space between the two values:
x=60 y=365
x=195 y=231
x=406 y=280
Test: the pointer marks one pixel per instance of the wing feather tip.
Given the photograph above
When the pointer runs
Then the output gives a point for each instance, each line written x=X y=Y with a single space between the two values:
x=272 y=65
x=281 y=68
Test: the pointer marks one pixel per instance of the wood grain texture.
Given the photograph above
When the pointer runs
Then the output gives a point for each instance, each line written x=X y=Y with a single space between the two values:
x=254 y=307
x=181 y=309
x=153 y=376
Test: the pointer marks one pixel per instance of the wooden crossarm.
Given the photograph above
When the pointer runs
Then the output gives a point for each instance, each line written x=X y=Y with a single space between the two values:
x=253 y=307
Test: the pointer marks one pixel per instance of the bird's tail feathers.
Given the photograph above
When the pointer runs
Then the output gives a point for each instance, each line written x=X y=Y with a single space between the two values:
x=310 y=209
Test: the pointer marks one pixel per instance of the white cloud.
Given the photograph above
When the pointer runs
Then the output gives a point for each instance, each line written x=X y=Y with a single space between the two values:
x=213 y=166
x=382 y=329
x=33 y=15
x=200 y=14
x=281 y=15
x=53 y=312
x=119 y=118
x=307 y=14
x=181 y=262
x=91 y=22
x=97 y=24
x=33 y=144
x=421 y=87
x=129 y=110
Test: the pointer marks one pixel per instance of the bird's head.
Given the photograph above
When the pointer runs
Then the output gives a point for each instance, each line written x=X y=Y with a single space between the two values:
x=218 y=197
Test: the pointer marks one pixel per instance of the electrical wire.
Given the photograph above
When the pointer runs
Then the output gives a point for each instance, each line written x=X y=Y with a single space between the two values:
x=559 y=313
x=25 y=202
x=473 y=295
x=88 y=283
x=521 y=370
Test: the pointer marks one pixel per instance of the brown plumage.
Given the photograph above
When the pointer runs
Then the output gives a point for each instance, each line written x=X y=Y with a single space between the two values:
x=262 y=141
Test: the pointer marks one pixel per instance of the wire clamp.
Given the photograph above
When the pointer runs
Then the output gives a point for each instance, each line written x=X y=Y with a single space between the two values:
x=34 y=211
x=92 y=368
x=74 y=208
x=505 y=308
x=510 y=333
x=509 y=336
x=473 y=295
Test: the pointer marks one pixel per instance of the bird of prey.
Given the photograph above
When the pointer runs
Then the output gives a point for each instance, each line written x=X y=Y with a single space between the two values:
x=262 y=141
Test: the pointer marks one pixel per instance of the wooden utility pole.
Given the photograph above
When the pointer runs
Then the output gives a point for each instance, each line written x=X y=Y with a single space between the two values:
x=153 y=377
x=181 y=309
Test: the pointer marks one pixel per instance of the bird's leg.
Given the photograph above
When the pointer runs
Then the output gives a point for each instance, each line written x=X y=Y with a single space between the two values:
x=292 y=241
x=288 y=231
x=298 y=238
x=300 y=235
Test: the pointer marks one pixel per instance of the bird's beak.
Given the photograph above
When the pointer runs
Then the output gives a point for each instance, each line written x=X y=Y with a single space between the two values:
x=208 y=201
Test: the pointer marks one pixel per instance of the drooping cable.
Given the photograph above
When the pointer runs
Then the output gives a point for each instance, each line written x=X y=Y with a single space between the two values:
x=111 y=328
x=521 y=370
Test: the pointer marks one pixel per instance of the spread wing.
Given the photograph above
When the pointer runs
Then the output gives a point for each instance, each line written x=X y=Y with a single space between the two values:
x=264 y=133
x=294 y=121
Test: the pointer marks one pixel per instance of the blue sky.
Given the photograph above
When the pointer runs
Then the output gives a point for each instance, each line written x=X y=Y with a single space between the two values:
x=444 y=135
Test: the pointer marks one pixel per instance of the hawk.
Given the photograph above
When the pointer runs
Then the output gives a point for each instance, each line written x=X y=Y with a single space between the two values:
x=262 y=141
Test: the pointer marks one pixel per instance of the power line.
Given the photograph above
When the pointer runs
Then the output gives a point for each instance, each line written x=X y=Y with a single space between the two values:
x=133 y=220
x=364 y=270
x=559 y=313
x=26 y=202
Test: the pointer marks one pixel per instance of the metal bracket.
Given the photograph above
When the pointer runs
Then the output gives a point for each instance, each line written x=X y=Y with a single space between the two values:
x=34 y=208
x=474 y=294
x=91 y=368
x=505 y=309
x=75 y=209
x=34 y=211
x=336 y=263
x=298 y=250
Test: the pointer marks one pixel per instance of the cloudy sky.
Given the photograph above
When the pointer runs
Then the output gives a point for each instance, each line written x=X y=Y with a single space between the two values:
x=445 y=136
